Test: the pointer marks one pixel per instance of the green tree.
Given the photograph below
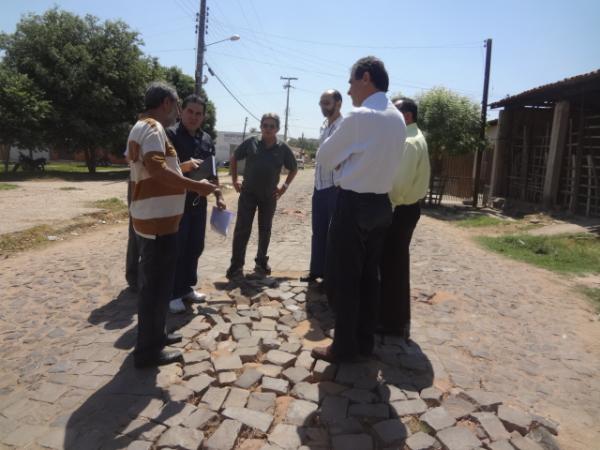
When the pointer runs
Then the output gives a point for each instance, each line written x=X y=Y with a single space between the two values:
x=22 y=108
x=92 y=74
x=450 y=122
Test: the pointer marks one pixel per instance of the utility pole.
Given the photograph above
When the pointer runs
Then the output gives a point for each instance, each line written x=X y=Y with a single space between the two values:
x=287 y=86
x=484 y=101
x=201 y=28
x=244 y=132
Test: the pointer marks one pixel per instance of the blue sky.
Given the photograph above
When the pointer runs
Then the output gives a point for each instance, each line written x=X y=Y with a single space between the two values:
x=423 y=44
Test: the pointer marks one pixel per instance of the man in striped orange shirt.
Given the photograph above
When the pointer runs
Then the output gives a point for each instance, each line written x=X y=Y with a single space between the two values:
x=158 y=195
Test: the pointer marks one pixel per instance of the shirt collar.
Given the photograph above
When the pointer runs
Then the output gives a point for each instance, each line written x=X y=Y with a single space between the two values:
x=182 y=129
x=378 y=100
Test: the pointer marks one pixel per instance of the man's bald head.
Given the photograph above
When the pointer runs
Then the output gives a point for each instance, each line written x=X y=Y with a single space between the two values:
x=330 y=103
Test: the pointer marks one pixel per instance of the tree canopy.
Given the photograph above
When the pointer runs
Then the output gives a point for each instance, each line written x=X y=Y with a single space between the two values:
x=450 y=122
x=87 y=76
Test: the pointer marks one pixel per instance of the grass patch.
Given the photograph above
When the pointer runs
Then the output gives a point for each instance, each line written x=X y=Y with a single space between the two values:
x=576 y=253
x=69 y=188
x=113 y=205
x=480 y=221
x=78 y=167
x=593 y=294
x=7 y=186
x=68 y=171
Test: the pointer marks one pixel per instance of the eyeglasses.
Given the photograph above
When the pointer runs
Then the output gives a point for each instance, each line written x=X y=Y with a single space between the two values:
x=268 y=126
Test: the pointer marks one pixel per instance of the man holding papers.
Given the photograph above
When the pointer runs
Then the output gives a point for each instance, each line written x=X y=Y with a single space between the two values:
x=191 y=143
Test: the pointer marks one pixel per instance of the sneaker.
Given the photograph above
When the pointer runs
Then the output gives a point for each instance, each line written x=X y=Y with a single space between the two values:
x=176 y=306
x=195 y=296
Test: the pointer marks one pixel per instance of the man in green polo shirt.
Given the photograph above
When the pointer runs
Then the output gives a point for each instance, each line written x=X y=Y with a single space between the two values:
x=260 y=190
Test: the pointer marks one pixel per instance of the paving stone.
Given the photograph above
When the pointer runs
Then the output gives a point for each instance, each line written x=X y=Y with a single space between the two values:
x=543 y=437
x=352 y=442
x=276 y=385
x=269 y=312
x=24 y=435
x=254 y=419
x=214 y=397
x=420 y=441
x=252 y=341
x=180 y=438
x=458 y=438
x=514 y=420
x=306 y=391
x=192 y=370
x=349 y=425
x=285 y=436
x=324 y=371
x=280 y=358
x=174 y=413
x=225 y=436
x=524 y=443
x=226 y=378
x=333 y=409
x=270 y=370
x=300 y=412
x=391 y=432
x=237 y=397
x=288 y=320
x=487 y=401
x=139 y=445
x=271 y=344
x=200 y=418
x=227 y=363
x=500 y=445
x=247 y=354
x=359 y=396
x=548 y=424
x=409 y=407
x=240 y=332
x=370 y=410
x=262 y=401
x=458 y=407
x=390 y=393
x=264 y=334
x=55 y=438
x=48 y=392
x=290 y=347
x=143 y=429
x=264 y=325
x=304 y=360
x=200 y=383
x=492 y=426
x=431 y=395
x=438 y=418
x=249 y=378
x=296 y=374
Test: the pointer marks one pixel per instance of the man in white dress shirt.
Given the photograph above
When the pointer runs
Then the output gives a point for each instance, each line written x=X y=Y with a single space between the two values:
x=365 y=150
x=323 y=199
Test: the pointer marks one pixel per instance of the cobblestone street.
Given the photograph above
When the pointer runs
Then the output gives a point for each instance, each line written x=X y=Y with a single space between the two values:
x=497 y=344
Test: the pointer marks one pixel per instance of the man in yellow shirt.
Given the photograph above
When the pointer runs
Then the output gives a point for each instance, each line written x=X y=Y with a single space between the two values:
x=410 y=186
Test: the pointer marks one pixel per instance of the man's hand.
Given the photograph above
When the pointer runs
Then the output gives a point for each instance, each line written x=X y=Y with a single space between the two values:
x=204 y=187
x=221 y=203
x=237 y=186
x=280 y=191
x=190 y=165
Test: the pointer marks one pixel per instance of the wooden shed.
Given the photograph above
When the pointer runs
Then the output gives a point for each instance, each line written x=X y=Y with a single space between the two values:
x=547 y=149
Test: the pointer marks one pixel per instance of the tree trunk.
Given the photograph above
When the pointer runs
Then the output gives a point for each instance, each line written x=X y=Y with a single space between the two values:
x=5 y=152
x=90 y=159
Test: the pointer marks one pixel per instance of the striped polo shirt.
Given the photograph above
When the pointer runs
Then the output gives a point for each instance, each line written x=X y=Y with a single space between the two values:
x=156 y=208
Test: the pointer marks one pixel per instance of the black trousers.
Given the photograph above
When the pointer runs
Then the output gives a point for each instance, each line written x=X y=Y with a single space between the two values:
x=394 y=311
x=132 y=259
x=356 y=236
x=190 y=245
x=323 y=206
x=156 y=273
x=248 y=203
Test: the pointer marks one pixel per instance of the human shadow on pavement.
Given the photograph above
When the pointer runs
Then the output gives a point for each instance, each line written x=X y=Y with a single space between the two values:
x=129 y=407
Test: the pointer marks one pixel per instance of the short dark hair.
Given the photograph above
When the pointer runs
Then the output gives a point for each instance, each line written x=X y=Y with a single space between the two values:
x=337 y=97
x=193 y=98
x=408 y=105
x=156 y=93
x=376 y=69
x=273 y=116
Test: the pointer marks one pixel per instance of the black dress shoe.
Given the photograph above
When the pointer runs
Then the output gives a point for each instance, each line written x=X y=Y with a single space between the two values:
x=173 y=338
x=308 y=279
x=163 y=358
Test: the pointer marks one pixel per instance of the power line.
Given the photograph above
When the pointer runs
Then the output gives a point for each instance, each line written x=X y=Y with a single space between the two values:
x=230 y=93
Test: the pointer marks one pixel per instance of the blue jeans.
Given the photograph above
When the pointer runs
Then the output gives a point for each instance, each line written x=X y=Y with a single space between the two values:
x=323 y=205
x=190 y=245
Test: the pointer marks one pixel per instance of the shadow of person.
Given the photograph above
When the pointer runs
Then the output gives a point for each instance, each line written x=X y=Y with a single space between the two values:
x=116 y=314
x=114 y=408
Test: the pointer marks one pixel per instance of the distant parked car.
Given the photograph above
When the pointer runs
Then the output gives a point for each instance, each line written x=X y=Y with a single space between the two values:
x=300 y=162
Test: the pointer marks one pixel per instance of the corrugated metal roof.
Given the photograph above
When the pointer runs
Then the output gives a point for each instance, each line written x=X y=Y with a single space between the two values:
x=549 y=93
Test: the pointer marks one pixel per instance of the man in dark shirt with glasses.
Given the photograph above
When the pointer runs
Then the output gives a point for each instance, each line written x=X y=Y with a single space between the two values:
x=260 y=190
